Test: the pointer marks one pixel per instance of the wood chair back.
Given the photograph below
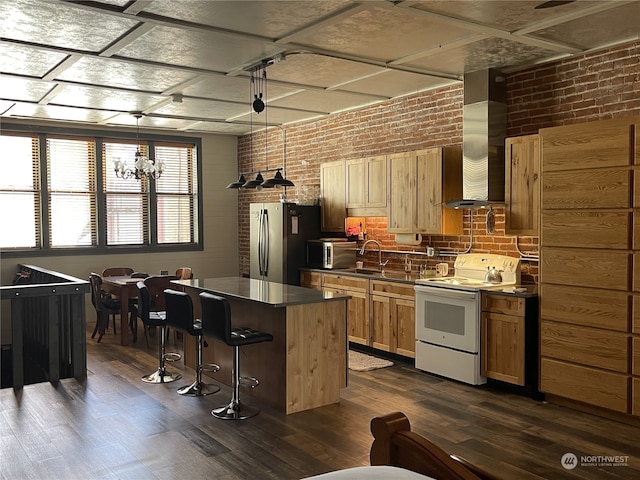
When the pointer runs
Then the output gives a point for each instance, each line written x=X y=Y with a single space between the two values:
x=117 y=271
x=184 y=273
x=157 y=285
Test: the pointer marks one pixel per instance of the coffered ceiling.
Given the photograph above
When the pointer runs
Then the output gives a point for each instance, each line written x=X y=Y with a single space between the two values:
x=186 y=64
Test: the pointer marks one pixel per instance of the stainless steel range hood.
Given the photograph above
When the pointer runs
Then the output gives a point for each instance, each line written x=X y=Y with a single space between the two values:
x=484 y=130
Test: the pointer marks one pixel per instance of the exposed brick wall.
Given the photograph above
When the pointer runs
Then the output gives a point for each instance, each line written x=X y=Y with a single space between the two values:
x=598 y=85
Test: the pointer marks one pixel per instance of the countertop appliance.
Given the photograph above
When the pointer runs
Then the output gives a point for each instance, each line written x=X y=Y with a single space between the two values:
x=330 y=253
x=278 y=236
x=448 y=315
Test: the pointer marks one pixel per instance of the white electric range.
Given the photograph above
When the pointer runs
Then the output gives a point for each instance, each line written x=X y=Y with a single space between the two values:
x=448 y=315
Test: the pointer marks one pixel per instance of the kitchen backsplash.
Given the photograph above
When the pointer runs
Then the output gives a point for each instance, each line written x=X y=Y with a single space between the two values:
x=498 y=242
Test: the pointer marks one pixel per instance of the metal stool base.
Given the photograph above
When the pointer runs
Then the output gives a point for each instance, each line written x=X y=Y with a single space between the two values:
x=159 y=377
x=198 y=389
x=235 y=411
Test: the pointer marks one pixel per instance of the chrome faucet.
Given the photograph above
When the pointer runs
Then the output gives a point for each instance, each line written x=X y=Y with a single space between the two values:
x=364 y=245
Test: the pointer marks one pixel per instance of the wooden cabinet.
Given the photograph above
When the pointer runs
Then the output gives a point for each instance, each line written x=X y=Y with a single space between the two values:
x=522 y=185
x=504 y=351
x=393 y=320
x=366 y=186
x=311 y=280
x=357 y=306
x=332 y=193
x=419 y=183
x=589 y=242
x=380 y=313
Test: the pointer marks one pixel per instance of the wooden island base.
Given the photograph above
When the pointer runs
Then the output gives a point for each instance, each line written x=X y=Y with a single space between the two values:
x=306 y=364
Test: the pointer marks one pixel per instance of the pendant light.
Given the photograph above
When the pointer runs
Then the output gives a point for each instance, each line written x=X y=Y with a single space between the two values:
x=258 y=98
x=278 y=180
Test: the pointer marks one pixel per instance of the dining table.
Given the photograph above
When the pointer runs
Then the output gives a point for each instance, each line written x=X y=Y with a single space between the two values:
x=124 y=287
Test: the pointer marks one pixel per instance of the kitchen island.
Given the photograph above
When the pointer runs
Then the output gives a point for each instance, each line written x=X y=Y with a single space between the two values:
x=306 y=364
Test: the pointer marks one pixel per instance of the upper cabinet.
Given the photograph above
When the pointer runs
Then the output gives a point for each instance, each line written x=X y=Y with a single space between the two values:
x=366 y=186
x=522 y=189
x=332 y=192
x=419 y=184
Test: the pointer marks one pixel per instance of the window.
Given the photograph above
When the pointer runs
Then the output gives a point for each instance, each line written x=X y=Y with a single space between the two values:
x=85 y=205
x=72 y=197
x=19 y=198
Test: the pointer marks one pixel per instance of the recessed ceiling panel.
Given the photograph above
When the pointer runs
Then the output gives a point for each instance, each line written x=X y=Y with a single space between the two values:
x=61 y=24
x=325 y=102
x=587 y=32
x=318 y=70
x=23 y=60
x=196 y=49
x=102 y=98
x=150 y=122
x=508 y=15
x=203 y=109
x=109 y=72
x=272 y=19
x=217 y=127
x=279 y=116
x=384 y=33
x=393 y=83
x=14 y=88
x=53 y=112
x=486 y=53
x=237 y=89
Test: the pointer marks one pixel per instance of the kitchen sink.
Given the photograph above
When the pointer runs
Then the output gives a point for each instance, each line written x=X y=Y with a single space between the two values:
x=367 y=271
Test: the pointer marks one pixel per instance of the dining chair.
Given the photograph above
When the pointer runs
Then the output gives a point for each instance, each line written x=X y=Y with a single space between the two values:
x=117 y=271
x=105 y=306
x=184 y=273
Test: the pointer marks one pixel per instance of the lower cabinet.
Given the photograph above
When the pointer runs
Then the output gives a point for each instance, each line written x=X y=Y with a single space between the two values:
x=393 y=319
x=357 y=306
x=381 y=313
x=508 y=349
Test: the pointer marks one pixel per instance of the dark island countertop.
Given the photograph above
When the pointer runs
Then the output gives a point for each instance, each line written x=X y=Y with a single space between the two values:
x=261 y=291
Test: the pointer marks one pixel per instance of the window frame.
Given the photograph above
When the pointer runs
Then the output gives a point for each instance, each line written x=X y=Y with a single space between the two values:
x=98 y=135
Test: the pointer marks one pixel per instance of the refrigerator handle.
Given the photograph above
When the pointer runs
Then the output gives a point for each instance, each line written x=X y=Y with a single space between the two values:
x=265 y=244
x=260 y=241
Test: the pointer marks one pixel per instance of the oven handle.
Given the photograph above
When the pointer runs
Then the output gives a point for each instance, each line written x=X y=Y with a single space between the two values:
x=446 y=292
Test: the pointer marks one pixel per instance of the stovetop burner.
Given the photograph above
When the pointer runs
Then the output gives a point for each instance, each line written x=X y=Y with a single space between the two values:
x=471 y=268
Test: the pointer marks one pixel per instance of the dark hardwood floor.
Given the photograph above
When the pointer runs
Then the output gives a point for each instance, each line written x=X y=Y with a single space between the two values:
x=115 y=426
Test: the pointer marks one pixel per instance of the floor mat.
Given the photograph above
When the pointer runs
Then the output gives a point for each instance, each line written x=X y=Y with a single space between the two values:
x=361 y=362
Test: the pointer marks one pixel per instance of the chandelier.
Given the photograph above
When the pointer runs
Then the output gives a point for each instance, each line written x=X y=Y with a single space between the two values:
x=143 y=166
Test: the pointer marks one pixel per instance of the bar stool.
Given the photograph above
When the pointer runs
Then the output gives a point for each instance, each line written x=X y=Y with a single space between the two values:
x=216 y=322
x=156 y=319
x=180 y=316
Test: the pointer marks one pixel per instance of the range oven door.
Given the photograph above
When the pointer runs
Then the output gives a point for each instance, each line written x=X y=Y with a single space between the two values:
x=448 y=318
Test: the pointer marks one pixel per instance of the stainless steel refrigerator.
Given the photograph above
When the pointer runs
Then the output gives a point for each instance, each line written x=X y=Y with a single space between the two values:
x=278 y=235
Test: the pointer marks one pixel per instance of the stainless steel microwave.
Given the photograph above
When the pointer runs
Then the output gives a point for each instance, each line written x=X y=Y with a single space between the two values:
x=329 y=255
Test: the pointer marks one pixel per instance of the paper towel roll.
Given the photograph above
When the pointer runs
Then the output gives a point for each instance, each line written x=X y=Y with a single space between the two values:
x=408 y=238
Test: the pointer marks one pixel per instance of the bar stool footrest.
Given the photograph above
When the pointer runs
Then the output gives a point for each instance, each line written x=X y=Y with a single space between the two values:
x=210 y=367
x=172 y=357
x=251 y=382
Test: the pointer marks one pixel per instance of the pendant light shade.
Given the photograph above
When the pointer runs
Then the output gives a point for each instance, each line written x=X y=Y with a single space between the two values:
x=239 y=184
x=278 y=181
x=257 y=183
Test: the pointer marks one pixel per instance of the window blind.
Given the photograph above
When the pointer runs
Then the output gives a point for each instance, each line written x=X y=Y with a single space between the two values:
x=72 y=197
x=19 y=191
